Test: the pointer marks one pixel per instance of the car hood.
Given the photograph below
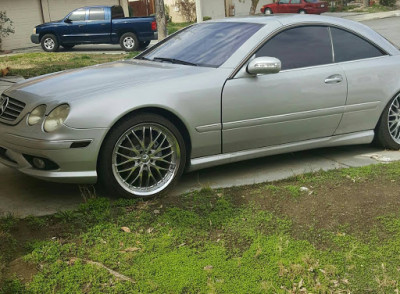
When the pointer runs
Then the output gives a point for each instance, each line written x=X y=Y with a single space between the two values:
x=70 y=85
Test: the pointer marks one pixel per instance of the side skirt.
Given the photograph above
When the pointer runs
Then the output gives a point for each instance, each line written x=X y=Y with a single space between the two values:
x=365 y=137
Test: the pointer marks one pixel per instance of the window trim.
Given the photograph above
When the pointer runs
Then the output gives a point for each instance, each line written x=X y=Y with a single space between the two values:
x=281 y=29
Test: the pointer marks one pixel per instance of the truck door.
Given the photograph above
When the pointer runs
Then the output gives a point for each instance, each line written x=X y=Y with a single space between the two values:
x=98 y=25
x=74 y=30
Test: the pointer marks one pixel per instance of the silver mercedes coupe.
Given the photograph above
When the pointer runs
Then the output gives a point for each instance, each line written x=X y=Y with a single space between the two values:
x=214 y=93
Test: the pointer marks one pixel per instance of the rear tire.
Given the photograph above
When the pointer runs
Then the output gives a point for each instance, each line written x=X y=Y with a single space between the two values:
x=388 y=127
x=50 y=43
x=143 y=156
x=129 y=42
x=268 y=11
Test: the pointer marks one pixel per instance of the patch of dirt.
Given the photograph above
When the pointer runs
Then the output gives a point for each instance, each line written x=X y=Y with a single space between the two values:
x=349 y=206
x=24 y=271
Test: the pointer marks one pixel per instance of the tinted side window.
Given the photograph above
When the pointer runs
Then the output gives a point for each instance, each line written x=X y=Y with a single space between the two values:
x=348 y=46
x=117 y=12
x=295 y=2
x=78 y=15
x=96 y=14
x=300 y=47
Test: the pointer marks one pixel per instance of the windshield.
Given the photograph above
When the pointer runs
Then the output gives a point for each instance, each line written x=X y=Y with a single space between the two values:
x=206 y=44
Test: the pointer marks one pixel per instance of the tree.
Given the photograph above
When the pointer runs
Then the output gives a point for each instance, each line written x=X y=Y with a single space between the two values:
x=6 y=26
x=161 y=19
x=253 y=6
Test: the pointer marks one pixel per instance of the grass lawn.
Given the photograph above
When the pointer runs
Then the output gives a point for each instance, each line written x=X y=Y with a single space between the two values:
x=326 y=232
x=31 y=65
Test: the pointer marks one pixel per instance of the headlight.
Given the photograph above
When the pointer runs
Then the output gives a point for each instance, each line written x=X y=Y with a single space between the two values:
x=56 y=118
x=34 y=31
x=36 y=115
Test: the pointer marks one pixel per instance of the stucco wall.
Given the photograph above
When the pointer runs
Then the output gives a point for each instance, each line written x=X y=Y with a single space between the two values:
x=26 y=14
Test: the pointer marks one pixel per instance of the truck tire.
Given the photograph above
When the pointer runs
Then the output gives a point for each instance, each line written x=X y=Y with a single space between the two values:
x=49 y=43
x=129 y=42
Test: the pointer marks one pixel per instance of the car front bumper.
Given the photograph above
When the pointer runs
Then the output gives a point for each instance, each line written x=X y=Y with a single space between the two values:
x=35 y=38
x=73 y=161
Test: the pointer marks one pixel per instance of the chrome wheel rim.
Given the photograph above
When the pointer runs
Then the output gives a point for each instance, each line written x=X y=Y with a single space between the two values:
x=267 y=11
x=146 y=159
x=394 y=119
x=302 y=12
x=129 y=42
x=49 y=43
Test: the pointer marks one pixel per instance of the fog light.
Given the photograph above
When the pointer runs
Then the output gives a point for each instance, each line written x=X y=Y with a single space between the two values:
x=39 y=163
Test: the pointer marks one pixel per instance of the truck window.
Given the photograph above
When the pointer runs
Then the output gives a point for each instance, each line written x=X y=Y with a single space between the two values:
x=78 y=15
x=117 y=12
x=96 y=14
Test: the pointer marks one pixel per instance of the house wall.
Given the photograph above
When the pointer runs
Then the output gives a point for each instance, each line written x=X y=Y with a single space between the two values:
x=216 y=8
x=26 y=14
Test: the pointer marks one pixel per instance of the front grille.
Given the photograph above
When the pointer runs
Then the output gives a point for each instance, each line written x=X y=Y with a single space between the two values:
x=11 y=108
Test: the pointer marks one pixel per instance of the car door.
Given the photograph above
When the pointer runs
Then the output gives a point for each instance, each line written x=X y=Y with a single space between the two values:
x=75 y=28
x=98 y=26
x=304 y=101
x=283 y=6
x=295 y=6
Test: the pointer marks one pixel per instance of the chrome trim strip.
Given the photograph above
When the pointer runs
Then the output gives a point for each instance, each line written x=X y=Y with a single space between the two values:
x=283 y=118
x=209 y=128
x=364 y=137
x=299 y=115
x=361 y=106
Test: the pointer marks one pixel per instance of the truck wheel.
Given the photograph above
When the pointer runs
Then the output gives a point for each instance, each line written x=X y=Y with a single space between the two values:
x=49 y=43
x=144 y=44
x=129 y=42
x=142 y=156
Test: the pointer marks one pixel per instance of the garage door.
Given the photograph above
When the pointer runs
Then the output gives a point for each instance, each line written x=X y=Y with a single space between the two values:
x=25 y=15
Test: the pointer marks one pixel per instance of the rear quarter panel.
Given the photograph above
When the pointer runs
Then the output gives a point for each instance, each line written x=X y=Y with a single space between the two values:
x=141 y=26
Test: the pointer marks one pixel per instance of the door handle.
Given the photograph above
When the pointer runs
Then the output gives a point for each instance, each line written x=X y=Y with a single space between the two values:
x=334 y=79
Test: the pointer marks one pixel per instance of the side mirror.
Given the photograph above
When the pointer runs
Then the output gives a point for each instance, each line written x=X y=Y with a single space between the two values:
x=67 y=20
x=264 y=65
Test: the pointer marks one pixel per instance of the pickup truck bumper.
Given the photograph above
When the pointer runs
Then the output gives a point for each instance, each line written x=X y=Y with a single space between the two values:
x=35 y=38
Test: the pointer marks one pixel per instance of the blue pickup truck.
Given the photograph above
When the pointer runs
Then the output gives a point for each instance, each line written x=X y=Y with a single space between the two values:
x=96 y=25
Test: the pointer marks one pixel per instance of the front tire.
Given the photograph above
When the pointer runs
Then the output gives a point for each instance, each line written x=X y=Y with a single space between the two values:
x=388 y=128
x=302 y=11
x=143 y=156
x=129 y=42
x=49 y=43
x=268 y=11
